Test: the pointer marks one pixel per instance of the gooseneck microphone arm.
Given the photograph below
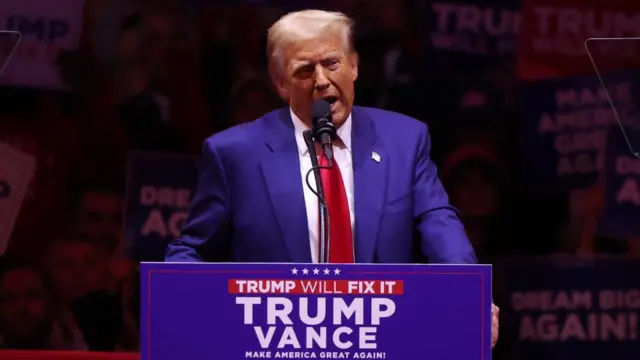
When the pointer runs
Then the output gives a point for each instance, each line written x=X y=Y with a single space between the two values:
x=324 y=236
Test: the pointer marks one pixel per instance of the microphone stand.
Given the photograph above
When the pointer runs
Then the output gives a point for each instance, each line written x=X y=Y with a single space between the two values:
x=323 y=236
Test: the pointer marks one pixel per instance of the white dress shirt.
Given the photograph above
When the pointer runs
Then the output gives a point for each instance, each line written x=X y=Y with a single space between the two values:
x=342 y=156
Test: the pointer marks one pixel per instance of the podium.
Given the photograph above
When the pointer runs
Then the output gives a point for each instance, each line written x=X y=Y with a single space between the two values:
x=243 y=311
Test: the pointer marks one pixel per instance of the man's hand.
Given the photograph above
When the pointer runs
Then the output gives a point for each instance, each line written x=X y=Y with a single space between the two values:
x=495 y=311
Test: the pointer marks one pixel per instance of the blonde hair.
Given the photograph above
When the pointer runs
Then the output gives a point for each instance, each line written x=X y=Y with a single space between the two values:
x=304 y=25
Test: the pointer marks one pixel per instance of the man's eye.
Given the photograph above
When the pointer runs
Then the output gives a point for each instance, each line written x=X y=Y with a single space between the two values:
x=304 y=71
x=333 y=63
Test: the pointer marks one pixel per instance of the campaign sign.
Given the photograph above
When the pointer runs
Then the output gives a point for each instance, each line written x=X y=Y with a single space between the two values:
x=622 y=186
x=16 y=172
x=470 y=61
x=571 y=308
x=159 y=191
x=565 y=123
x=201 y=311
x=474 y=29
x=553 y=34
x=47 y=28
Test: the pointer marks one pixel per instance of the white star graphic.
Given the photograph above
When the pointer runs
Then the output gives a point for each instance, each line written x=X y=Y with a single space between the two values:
x=327 y=271
x=316 y=271
x=294 y=271
x=336 y=271
x=305 y=271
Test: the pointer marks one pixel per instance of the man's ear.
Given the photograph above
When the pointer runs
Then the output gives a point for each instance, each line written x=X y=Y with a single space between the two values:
x=278 y=83
x=353 y=61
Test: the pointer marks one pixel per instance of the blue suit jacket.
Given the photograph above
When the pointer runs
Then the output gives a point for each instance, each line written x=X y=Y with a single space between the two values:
x=249 y=204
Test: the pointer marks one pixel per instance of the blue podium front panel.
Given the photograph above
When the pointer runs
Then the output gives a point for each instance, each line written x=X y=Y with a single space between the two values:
x=315 y=311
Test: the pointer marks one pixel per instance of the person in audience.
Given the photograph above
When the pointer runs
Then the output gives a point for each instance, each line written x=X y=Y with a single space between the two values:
x=27 y=314
x=580 y=236
x=76 y=266
x=391 y=62
x=251 y=99
x=99 y=217
x=161 y=103
x=477 y=186
x=90 y=301
x=247 y=46
x=217 y=64
x=99 y=214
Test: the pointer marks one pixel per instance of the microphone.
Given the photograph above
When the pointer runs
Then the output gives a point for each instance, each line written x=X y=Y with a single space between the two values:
x=323 y=129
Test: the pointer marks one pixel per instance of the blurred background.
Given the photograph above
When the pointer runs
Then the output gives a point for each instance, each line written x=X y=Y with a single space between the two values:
x=104 y=106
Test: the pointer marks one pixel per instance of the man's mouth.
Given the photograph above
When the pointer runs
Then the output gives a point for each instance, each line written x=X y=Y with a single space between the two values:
x=331 y=99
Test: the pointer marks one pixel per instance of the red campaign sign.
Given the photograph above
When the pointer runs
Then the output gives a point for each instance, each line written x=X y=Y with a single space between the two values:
x=553 y=34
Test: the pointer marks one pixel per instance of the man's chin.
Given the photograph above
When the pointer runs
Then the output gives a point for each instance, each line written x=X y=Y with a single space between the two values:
x=339 y=119
x=339 y=115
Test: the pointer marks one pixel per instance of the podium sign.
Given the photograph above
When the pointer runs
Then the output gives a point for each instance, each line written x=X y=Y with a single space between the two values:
x=200 y=311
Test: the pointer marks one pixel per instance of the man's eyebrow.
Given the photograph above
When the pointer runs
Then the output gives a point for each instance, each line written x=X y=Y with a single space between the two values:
x=299 y=64
x=331 y=55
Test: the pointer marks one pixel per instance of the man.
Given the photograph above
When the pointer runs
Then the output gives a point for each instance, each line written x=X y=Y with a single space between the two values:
x=26 y=313
x=99 y=214
x=76 y=266
x=252 y=202
x=80 y=275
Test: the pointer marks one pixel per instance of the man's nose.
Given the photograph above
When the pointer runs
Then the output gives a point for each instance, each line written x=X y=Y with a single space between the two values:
x=322 y=81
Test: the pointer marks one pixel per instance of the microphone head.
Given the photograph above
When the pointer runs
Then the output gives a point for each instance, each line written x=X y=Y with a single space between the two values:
x=320 y=112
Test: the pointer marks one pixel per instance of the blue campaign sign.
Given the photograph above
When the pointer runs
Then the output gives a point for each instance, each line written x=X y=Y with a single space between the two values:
x=315 y=311
x=570 y=308
x=622 y=190
x=159 y=190
x=564 y=124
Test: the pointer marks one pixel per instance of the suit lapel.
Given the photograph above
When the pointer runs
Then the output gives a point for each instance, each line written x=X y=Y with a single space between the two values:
x=281 y=171
x=370 y=182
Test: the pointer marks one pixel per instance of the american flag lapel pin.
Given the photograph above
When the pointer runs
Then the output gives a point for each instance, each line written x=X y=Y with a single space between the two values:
x=375 y=156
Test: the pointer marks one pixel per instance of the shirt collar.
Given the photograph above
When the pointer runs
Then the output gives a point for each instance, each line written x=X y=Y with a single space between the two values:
x=344 y=133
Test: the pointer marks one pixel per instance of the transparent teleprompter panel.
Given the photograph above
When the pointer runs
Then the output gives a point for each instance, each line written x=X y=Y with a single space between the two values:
x=9 y=42
x=616 y=62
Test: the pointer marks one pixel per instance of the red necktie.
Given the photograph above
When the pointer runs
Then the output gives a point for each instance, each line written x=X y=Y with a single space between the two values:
x=335 y=195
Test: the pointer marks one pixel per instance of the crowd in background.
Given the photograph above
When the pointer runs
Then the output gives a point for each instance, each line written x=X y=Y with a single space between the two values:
x=172 y=76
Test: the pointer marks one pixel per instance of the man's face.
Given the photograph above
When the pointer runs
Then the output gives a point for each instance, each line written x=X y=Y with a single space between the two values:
x=101 y=215
x=475 y=195
x=24 y=303
x=318 y=69
x=77 y=268
x=157 y=35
